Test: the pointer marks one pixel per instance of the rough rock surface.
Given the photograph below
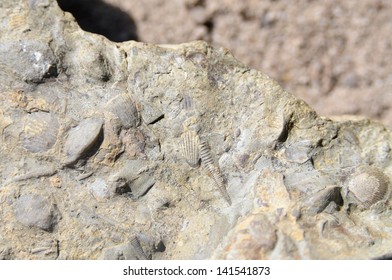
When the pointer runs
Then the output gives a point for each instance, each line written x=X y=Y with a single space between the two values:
x=35 y=211
x=333 y=54
x=283 y=166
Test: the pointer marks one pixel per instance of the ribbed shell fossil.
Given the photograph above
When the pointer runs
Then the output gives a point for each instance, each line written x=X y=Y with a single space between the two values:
x=367 y=186
x=40 y=132
x=187 y=103
x=190 y=147
x=138 y=249
x=209 y=164
x=125 y=109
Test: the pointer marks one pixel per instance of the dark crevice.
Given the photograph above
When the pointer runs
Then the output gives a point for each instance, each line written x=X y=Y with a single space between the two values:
x=160 y=247
x=200 y=3
x=101 y=18
x=284 y=134
x=387 y=256
x=157 y=119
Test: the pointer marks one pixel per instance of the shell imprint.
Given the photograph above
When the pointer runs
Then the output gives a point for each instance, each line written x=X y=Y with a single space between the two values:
x=187 y=103
x=125 y=109
x=367 y=186
x=40 y=132
x=138 y=249
x=190 y=147
x=213 y=170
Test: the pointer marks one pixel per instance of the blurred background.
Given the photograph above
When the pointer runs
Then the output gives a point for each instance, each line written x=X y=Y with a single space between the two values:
x=336 y=55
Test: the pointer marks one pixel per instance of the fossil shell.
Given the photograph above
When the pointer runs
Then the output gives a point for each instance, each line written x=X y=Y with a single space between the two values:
x=138 y=249
x=190 y=147
x=209 y=164
x=205 y=154
x=40 y=132
x=367 y=186
x=81 y=138
x=187 y=103
x=125 y=109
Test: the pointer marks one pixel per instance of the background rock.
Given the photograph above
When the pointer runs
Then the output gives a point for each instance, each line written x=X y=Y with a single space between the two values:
x=273 y=154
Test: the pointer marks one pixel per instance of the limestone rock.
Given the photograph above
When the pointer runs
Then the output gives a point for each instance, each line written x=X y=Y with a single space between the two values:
x=35 y=211
x=119 y=252
x=122 y=109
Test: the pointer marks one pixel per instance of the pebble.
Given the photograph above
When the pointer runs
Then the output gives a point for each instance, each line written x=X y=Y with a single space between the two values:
x=33 y=210
x=81 y=139
x=99 y=189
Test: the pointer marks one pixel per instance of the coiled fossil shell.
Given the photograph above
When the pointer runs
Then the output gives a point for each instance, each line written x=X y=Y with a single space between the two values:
x=40 y=132
x=367 y=186
x=209 y=164
x=190 y=147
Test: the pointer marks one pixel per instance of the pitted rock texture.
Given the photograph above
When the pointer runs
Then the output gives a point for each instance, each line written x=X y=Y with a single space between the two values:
x=124 y=174
x=332 y=53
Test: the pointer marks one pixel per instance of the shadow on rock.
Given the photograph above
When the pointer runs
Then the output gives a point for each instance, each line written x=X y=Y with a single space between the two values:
x=98 y=17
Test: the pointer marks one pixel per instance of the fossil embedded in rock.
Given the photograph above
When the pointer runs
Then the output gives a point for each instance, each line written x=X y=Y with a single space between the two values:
x=209 y=164
x=187 y=102
x=367 y=186
x=40 y=132
x=138 y=249
x=190 y=147
x=81 y=139
x=125 y=109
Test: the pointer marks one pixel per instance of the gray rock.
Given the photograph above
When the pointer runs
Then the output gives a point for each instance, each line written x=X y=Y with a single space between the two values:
x=81 y=138
x=131 y=102
x=319 y=201
x=36 y=61
x=119 y=252
x=150 y=114
x=5 y=252
x=136 y=178
x=33 y=210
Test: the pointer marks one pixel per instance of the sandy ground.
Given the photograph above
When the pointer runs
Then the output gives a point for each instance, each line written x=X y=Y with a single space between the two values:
x=336 y=55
